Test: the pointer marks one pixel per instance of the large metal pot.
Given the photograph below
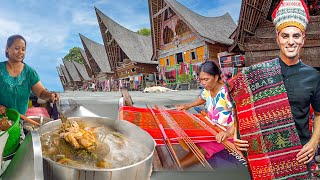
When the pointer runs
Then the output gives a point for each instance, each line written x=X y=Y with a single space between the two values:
x=27 y=127
x=138 y=171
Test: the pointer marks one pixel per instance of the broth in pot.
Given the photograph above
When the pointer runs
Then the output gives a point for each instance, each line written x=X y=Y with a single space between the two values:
x=78 y=145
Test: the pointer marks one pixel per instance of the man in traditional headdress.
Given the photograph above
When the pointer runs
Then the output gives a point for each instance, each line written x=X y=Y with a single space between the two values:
x=302 y=82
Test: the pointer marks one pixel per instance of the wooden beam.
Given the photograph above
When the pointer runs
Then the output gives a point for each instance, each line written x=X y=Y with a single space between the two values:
x=260 y=47
x=249 y=32
x=160 y=11
x=259 y=10
x=109 y=42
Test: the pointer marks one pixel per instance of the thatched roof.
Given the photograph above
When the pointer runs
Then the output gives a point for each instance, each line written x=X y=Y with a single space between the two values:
x=65 y=73
x=137 y=47
x=98 y=53
x=59 y=71
x=216 y=29
x=82 y=70
x=85 y=57
x=72 y=70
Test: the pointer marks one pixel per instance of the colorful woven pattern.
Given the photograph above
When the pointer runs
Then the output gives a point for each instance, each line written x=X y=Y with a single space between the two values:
x=143 y=118
x=266 y=122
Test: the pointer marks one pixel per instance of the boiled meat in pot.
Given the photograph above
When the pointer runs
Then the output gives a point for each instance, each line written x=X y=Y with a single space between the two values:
x=78 y=145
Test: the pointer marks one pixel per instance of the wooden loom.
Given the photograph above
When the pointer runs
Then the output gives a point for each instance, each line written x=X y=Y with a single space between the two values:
x=175 y=127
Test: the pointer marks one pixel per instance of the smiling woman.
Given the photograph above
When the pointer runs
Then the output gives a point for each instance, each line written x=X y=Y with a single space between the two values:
x=17 y=79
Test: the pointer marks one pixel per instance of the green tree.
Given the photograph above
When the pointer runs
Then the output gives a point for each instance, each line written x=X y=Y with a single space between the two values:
x=144 y=32
x=184 y=78
x=74 y=55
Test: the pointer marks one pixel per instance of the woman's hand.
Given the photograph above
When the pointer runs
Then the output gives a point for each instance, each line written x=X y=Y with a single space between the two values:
x=2 y=110
x=182 y=107
x=241 y=145
x=55 y=97
x=221 y=136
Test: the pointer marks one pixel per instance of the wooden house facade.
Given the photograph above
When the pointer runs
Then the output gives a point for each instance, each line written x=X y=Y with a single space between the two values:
x=67 y=78
x=255 y=35
x=129 y=53
x=62 y=77
x=75 y=80
x=181 y=37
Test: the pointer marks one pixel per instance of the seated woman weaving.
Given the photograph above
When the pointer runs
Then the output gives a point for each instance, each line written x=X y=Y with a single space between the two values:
x=219 y=110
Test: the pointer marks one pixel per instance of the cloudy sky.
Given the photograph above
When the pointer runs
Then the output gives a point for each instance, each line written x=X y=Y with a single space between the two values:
x=52 y=27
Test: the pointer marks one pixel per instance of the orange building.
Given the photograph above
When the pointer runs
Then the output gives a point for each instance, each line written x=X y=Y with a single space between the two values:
x=183 y=39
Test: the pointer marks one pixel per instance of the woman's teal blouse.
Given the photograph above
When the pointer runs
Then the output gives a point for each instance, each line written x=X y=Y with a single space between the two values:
x=15 y=91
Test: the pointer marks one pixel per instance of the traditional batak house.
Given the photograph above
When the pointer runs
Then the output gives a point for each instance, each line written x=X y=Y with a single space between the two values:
x=129 y=53
x=183 y=39
x=99 y=62
x=86 y=63
x=62 y=77
x=75 y=81
x=67 y=78
x=83 y=74
x=255 y=35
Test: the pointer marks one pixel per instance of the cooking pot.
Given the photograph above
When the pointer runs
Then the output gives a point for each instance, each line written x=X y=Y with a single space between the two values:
x=138 y=171
x=27 y=126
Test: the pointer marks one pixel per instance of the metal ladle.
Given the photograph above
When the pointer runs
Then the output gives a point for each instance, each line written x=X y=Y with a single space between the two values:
x=61 y=115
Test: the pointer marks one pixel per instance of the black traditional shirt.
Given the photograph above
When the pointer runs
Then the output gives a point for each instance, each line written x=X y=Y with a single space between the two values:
x=302 y=83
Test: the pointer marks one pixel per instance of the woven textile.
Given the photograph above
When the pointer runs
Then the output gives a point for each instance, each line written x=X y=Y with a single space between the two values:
x=143 y=118
x=291 y=13
x=266 y=122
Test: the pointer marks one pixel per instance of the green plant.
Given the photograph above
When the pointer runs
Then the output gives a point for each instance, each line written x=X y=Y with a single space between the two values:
x=144 y=31
x=74 y=55
x=184 y=78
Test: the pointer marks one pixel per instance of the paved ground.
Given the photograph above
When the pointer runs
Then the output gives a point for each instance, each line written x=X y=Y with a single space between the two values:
x=106 y=103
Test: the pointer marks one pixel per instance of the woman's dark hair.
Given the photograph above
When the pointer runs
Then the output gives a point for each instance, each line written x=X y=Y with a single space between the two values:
x=11 y=40
x=210 y=67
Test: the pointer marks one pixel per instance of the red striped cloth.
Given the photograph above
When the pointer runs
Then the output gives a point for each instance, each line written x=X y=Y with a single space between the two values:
x=266 y=122
x=143 y=118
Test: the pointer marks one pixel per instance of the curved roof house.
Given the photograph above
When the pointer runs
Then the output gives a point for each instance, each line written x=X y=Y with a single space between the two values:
x=81 y=69
x=97 y=56
x=129 y=52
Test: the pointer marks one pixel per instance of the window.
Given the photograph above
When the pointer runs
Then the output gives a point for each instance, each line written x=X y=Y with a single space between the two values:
x=167 y=62
x=193 y=55
x=179 y=58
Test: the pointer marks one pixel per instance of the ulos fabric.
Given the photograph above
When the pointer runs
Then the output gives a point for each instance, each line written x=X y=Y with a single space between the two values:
x=15 y=91
x=143 y=118
x=266 y=122
x=219 y=108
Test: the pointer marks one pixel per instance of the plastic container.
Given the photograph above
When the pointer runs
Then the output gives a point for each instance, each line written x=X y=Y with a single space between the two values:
x=14 y=132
